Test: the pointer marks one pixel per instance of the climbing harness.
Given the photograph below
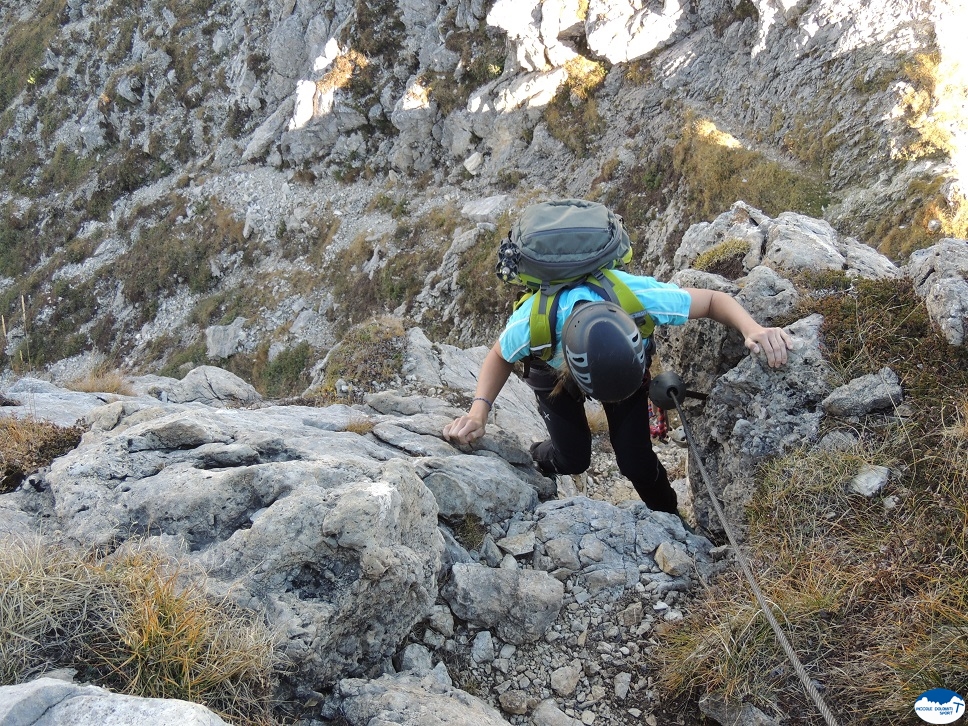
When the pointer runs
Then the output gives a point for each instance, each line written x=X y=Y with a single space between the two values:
x=658 y=423
x=666 y=390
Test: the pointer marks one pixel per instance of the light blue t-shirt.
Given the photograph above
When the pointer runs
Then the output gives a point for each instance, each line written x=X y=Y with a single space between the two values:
x=668 y=304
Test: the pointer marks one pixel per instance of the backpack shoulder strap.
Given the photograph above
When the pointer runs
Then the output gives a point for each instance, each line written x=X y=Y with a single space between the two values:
x=544 y=315
x=612 y=288
x=544 y=310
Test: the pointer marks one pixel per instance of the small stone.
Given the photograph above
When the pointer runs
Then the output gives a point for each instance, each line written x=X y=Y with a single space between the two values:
x=482 y=650
x=870 y=480
x=516 y=702
x=672 y=560
x=622 y=683
x=564 y=680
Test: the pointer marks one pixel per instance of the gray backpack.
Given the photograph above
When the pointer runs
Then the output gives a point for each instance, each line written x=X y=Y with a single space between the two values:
x=562 y=244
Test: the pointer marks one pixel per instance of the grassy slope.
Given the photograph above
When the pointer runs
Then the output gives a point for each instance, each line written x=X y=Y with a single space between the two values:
x=874 y=591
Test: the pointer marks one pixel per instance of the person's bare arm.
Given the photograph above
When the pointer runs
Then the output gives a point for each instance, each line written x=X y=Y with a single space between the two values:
x=491 y=379
x=723 y=308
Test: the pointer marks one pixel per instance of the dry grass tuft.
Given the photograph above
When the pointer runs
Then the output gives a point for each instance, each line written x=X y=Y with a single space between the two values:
x=470 y=532
x=167 y=640
x=136 y=622
x=99 y=381
x=27 y=444
x=360 y=425
x=47 y=597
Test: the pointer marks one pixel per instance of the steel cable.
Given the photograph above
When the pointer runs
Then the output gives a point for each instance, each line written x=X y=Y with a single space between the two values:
x=801 y=672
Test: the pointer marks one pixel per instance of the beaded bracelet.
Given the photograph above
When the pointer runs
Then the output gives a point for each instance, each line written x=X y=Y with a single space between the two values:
x=481 y=398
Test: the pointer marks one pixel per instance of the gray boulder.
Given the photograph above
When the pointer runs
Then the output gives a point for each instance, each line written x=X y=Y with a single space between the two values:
x=795 y=242
x=330 y=533
x=221 y=341
x=407 y=700
x=39 y=399
x=208 y=385
x=519 y=605
x=879 y=391
x=755 y=412
x=940 y=277
x=701 y=350
x=716 y=707
x=487 y=487
x=791 y=242
x=606 y=549
x=53 y=702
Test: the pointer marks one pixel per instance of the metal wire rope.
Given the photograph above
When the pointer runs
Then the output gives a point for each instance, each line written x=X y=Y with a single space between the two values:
x=801 y=672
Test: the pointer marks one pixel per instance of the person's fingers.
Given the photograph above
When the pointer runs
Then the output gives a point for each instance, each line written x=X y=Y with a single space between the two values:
x=773 y=343
x=776 y=347
x=463 y=430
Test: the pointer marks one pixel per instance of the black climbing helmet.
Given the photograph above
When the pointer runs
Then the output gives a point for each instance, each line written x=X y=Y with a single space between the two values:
x=604 y=351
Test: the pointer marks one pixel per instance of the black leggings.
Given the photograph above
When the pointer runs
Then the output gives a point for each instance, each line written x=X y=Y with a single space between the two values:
x=568 y=451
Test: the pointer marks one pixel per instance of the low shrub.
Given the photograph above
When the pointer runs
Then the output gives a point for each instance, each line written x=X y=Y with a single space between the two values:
x=724 y=259
x=288 y=373
x=369 y=357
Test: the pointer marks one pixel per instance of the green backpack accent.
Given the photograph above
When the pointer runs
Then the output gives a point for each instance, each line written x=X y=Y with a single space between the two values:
x=563 y=244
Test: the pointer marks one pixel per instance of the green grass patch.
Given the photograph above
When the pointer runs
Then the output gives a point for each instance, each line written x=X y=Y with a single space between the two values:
x=377 y=30
x=418 y=249
x=369 y=356
x=167 y=255
x=470 y=531
x=483 y=295
x=922 y=218
x=66 y=169
x=572 y=116
x=182 y=360
x=122 y=174
x=285 y=376
x=719 y=171
x=74 y=304
x=22 y=50
x=17 y=231
x=288 y=373
x=482 y=53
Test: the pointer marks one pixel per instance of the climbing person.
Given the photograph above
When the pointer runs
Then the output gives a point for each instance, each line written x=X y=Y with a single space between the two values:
x=599 y=350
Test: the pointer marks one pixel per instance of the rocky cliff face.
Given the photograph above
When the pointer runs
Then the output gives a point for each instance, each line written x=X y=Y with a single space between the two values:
x=287 y=168
x=199 y=181
x=341 y=525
